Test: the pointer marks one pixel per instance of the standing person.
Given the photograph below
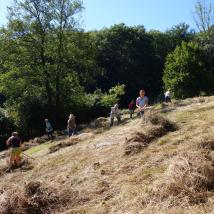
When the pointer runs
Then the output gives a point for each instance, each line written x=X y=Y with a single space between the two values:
x=167 y=96
x=49 y=129
x=142 y=102
x=114 y=113
x=16 y=148
x=71 y=125
x=131 y=108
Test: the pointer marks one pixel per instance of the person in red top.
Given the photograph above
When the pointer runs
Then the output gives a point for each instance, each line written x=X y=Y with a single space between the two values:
x=16 y=148
x=131 y=108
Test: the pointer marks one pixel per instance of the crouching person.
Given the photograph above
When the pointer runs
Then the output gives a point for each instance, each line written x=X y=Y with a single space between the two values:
x=16 y=148
x=114 y=113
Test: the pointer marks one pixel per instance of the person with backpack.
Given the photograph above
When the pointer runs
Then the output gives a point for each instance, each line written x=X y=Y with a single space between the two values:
x=142 y=102
x=115 y=112
x=49 y=129
x=16 y=148
x=71 y=125
x=131 y=108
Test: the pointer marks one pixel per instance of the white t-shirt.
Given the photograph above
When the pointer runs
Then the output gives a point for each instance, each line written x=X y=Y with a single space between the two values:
x=167 y=94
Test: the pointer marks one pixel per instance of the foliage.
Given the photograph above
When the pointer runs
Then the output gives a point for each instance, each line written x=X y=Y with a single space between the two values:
x=50 y=67
x=113 y=96
x=127 y=57
x=185 y=73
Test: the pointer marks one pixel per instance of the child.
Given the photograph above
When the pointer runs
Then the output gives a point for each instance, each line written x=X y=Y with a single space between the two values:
x=131 y=108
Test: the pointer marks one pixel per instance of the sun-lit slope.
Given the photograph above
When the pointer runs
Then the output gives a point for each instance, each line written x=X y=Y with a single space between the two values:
x=164 y=171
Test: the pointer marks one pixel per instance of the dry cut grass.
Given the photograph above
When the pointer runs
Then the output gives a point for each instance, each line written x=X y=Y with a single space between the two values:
x=163 y=166
x=139 y=140
x=188 y=180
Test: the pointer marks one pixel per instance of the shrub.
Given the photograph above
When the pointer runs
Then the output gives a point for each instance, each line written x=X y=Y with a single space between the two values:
x=185 y=71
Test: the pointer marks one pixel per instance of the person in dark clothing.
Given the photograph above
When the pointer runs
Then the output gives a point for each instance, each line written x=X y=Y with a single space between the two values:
x=131 y=108
x=16 y=148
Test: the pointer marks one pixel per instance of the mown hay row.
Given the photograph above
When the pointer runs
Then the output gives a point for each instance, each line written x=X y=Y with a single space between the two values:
x=36 y=198
x=139 y=140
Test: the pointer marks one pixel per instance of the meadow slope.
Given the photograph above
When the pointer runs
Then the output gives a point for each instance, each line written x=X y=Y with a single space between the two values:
x=152 y=167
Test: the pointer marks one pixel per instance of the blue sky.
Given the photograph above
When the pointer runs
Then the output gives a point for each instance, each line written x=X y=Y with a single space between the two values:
x=153 y=14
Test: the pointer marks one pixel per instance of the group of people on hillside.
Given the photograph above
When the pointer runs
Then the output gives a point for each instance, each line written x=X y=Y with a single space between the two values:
x=71 y=126
x=141 y=104
x=14 y=142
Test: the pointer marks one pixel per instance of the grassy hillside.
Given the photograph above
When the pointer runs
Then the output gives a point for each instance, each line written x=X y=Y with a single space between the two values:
x=164 y=164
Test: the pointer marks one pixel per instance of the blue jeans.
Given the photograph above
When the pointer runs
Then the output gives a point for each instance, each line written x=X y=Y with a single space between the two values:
x=71 y=132
x=142 y=114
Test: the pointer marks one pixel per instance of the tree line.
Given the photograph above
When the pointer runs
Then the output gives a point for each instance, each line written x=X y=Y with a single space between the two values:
x=50 y=67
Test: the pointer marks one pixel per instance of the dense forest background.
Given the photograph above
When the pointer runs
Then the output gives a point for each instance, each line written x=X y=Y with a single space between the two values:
x=50 y=67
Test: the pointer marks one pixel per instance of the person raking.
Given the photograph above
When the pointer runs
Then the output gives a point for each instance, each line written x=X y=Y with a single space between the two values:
x=115 y=112
x=142 y=102
x=16 y=148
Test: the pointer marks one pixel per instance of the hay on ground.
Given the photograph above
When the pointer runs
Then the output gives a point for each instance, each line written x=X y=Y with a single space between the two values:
x=71 y=141
x=100 y=122
x=140 y=140
x=157 y=119
x=207 y=143
x=39 y=140
x=34 y=198
x=189 y=179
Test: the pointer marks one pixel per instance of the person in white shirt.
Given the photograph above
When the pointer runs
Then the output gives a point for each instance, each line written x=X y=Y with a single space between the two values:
x=167 y=96
x=115 y=112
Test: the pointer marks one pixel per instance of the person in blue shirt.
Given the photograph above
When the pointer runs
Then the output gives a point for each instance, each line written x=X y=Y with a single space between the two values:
x=142 y=102
x=49 y=129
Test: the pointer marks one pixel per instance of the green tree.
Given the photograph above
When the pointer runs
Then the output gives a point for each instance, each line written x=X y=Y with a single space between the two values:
x=35 y=48
x=127 y=57
x=185 y=71
x=204 y=15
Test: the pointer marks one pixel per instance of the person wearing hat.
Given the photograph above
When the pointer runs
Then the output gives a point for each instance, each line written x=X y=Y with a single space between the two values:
x=71 y=125
x=16 y=148
x=114 y=113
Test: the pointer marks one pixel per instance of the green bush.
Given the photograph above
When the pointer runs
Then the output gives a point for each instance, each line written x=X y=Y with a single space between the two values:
x=185 y=72
x=113 y=96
